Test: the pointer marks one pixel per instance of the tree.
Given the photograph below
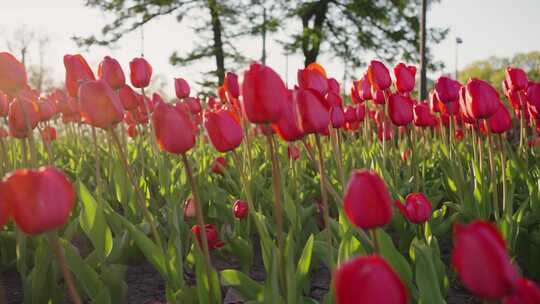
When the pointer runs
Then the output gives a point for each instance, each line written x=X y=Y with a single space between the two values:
x=216 y=23
x=349 y=29
x=493 y=68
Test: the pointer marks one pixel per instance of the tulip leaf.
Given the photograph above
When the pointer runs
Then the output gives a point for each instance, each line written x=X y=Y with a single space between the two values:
x=426 y=276
x=247 y=287
x=304 y=263
x=398 y=261
x=93 y=223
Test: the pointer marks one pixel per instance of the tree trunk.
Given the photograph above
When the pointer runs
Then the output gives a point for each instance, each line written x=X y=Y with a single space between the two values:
x=423 y=63
x=311 y=47
x=217 y=29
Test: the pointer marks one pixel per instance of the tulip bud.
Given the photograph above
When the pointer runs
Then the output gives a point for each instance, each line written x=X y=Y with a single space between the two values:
x=481 y=99
x=111 y=72
x=378 y=75
x=368 y=279
x=140 y=72
x=333 y=86
x=400 y=109
x=175 y=132
x=447 y=89
x=264 y=94
x=211 y=236
x=181 y=87
x=312 y=114
x=77 y=71
x=189 y=209
x=501 y=121
x=337 y=117
x=48 y=134
x=12 y=74
x=367 y=201
x=480 y=259
x=231 y=85
x=240 y=209
x=417 y=208
x=516 y=79
x=527 y=292
x=405 y=77
x=39 y=200
x=364 y=88
x=219 y=164
x=100 y=106
x=223 y=130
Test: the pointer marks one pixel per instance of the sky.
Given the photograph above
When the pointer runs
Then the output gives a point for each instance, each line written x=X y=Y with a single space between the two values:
x=487 y=27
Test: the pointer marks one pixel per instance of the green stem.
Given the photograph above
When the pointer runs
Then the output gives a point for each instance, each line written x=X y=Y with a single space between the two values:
x=493 y=177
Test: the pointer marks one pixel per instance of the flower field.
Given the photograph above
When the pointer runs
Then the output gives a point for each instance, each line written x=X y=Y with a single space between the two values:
x=269 y=194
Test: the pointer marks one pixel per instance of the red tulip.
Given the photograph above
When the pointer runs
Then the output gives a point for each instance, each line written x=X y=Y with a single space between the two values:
x=77 y=71
x=12 y=74
x=423 y=116
x=194 y=105
x=333 y=86
x=317 y=67
x=313 y=80
x=361 y=112
x=100 y=106
x=333 y=100
x=48 y=134
x=211 y=236
x=23 y=116
x=223 y=129
x=189 y=209
x=219 y=164
x=378 y=75
x=175 y=132
x=350 y=114
x=312 y=114
x=501 y=121
x=355 y=97
x=264 y=94
x=111 y=72
x=4 y=105
x=240 y=209
x=480 y=259
x=140 y=72
x=181 y=87
x=459 y=134
x=417 y=208
x=516 y=79
x=367 y=201
x=128 y=97
x=337 y=117
x=533 y=96
x=132 y=131
x=405 y=77
x=231 y=85
x=434 y=102
x=400 y=110
x=527 y=292
x=293 y=152
x=482 y=100
x=288 y=127
x=47 y=110
x=378 y=96
x=447 y=89
x=368 y=279
x=39 y=200
x=465 y=116
x=450 y=108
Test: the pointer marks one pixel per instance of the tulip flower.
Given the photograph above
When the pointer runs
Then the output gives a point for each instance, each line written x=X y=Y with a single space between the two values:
x=367 y=201
x=447 y=89
x=12 y=74
x=480 y=259
x=181 y=87
x=140 y=72
x=231 y=85
x=458 y=135
x=378 y=96
x=417 y=208
x=350 y=114
x=194 y=105
x=175 y=132
x=293 y=152
x=189 y=209
x=533 y=96
x=312 y=114
x=405 y=77
x=47 y=110
x=361 y=112
x=23 y=116
x=39 y=200
x=378 y=75
x=219 y=164
x=240 y=209
x=312 y=79
x=317 y=67
x=48 y=134
x=288 y=127
x=368 y=279
x=337 y=117
x=400 y=109
x=355 y=97
x=481 y=99
x=264 y=94
x=77 y=71
x=501 y=121
x=364 y=88
x=211 y=235
x=223 y=130
x=100 y=106
x=332 y=100
x=111 y=72
x=128 y=97
x=333 y=86
x=516 y=79
x=527 y=292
